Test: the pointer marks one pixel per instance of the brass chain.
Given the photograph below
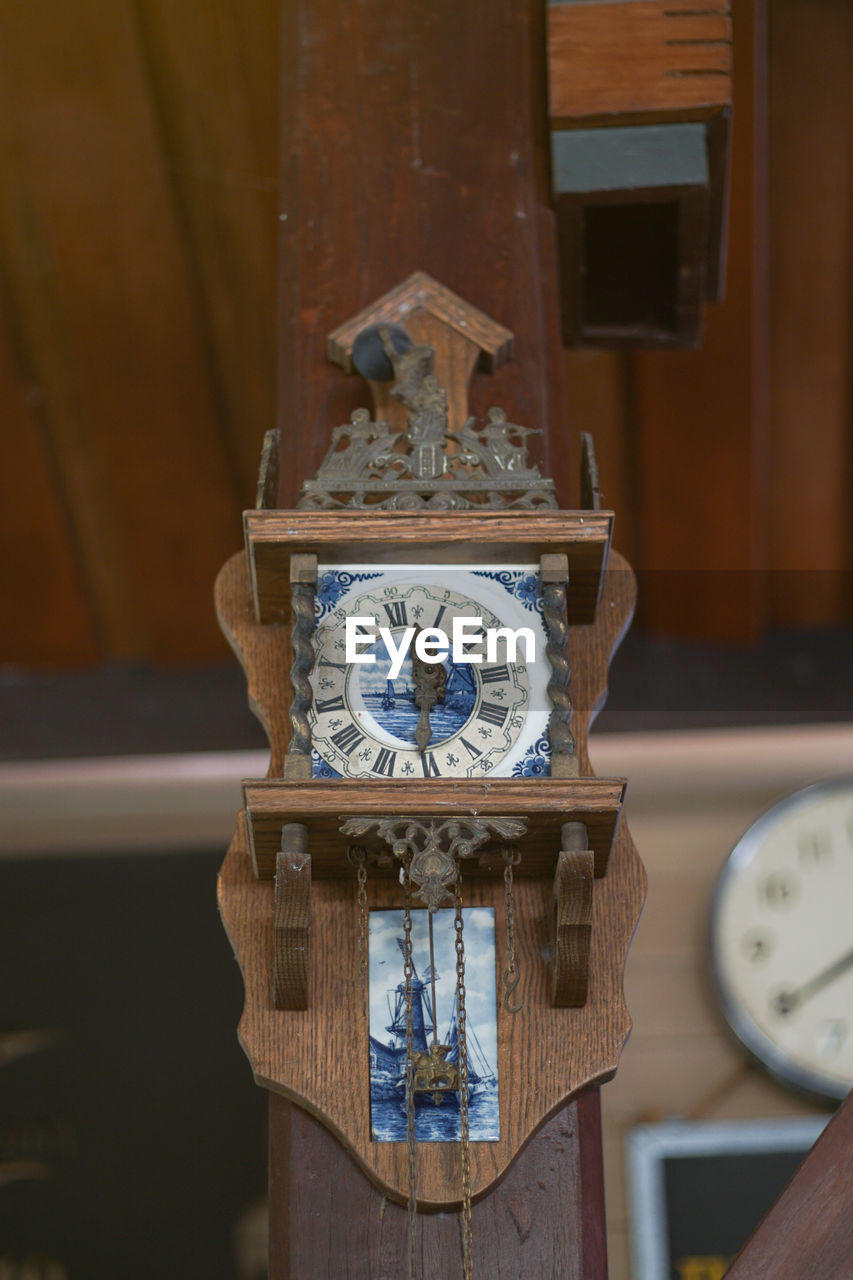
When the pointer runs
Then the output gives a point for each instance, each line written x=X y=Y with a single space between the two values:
x=511 y=857
x=462 y=1040
x=357 y=856
x=411 y=1137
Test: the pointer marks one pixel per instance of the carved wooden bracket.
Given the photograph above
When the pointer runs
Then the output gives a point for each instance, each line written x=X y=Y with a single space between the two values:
x=571 y=906
x=572 y=919
x=292 y=919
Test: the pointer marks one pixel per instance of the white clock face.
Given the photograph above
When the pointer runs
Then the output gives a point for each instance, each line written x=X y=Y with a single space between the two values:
x=493 y=716
x=782 y=939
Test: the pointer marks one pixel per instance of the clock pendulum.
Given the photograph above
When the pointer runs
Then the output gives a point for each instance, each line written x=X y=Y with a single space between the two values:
x=426 y=638
x=434 y=1073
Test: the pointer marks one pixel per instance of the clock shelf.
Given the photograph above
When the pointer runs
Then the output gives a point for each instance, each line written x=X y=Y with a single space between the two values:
x=545 y=804
x=423 y=536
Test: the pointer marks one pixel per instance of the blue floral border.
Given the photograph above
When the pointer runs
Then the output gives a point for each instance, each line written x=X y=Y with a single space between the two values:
x=319 y=767
x=520 y=583
x=332 y=585
x=536 y=761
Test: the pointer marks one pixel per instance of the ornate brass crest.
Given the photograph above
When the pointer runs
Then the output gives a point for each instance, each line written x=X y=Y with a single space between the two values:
x=434 y=847
x=482 y=465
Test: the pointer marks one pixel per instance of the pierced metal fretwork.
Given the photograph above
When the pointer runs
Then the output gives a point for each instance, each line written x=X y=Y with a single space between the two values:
x=434 y=846
x=482 y=465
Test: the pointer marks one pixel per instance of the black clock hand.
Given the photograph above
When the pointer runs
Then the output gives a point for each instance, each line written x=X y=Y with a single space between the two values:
x=430 y=679
x=787 y=1001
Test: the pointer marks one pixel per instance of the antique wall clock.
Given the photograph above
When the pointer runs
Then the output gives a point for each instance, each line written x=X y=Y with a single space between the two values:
x=431 y=896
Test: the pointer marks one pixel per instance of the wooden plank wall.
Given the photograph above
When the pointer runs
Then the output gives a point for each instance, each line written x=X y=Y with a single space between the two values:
x=735 y=459
x=137 y=233
x=810 y=472
x=138 y=217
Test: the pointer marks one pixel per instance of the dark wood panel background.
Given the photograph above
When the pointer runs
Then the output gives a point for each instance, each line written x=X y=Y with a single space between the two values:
x=137 y=236
x=138 y=222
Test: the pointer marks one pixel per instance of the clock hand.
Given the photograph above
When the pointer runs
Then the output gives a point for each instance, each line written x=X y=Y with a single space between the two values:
x=787 y=1001
x=430 y=678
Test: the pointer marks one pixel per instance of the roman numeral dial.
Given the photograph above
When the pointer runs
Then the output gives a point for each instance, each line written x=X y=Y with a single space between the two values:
x=365 y=708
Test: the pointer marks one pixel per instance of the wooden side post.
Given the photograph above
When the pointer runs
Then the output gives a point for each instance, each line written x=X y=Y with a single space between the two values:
x=303 y=587
x=554 y=579
x=572 y=919
x=292 y=919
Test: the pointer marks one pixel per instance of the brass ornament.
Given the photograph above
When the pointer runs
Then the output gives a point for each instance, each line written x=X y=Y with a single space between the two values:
x=435 y=846
x=482 y=466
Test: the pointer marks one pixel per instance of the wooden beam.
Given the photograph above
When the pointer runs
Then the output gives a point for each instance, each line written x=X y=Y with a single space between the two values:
x=292 y=936
x=545 y=1219
x=572 y=925
x=415 y=139
x=400 y=154
x=808 y=1234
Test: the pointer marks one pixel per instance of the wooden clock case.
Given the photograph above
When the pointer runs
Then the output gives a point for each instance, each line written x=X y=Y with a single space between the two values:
x=579 y=920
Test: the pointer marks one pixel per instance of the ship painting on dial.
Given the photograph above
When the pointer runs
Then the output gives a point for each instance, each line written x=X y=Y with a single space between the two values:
x=434 y=1025
x=490 y=713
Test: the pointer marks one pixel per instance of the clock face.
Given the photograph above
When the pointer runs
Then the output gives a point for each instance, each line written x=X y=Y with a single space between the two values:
x=782 y=939
x=492 y=715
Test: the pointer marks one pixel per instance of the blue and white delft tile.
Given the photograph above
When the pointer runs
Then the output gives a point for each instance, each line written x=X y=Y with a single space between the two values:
x=333 y=584
x=536 y=761
x=319 y=767
x=519 y=583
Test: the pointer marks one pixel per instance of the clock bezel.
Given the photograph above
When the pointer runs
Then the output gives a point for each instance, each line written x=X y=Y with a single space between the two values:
x=762 y=1049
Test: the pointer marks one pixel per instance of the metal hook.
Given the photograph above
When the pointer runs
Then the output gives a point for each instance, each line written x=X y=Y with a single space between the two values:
x=356 y=855
x=510 y=983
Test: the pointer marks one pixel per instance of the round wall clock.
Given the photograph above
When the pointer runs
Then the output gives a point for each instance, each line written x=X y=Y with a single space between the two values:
x=782 y=939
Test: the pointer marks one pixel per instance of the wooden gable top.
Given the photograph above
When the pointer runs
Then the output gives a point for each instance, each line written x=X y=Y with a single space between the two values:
x=421 y=292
